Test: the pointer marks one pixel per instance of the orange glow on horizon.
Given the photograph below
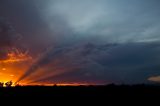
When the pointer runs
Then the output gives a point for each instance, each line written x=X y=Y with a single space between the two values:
x=52 y=84
x=14 y=65
x=17 y=63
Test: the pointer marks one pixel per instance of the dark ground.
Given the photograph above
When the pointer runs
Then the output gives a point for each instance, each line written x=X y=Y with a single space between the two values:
x=109 y=91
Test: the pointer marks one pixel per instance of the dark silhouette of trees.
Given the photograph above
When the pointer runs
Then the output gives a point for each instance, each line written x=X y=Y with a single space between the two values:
x=1 y=84
x=9 y=84
x=55 y=85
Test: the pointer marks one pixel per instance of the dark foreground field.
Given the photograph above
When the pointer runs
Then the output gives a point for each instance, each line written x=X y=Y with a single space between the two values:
x=110 y=91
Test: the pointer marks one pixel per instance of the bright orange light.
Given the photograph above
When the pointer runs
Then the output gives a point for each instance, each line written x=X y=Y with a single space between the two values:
x=52 y=84
x=3 y=69
x=12 y=75
x=14 y=65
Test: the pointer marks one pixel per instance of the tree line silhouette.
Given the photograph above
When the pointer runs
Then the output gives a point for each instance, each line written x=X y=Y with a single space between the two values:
x=7 y=84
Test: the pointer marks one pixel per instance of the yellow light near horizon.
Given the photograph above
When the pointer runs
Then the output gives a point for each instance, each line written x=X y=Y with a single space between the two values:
x=4 y=77
x=12 y=71
x=15 y=65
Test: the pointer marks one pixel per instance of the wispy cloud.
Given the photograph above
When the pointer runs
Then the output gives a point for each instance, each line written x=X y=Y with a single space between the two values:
x=154 y=79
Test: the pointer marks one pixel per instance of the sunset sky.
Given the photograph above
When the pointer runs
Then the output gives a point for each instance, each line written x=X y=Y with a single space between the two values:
x=80 y=41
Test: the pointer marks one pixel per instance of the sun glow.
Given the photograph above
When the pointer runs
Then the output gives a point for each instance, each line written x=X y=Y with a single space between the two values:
x=18 y=62
x=14 y=65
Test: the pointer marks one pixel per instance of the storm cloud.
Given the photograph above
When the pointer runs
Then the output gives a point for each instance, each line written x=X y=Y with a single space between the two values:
x=108 y=20
x=8 y=38
x=99 y=63
x=7 y=33
x=99 y=41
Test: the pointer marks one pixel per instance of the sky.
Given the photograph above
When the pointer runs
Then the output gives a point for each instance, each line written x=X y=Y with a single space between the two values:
x=80 y=41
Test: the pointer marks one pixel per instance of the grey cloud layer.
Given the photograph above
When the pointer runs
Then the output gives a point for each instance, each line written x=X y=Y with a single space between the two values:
x=7 y=33
x=8 y=38
x=112 y=21
x=99 y=40
x=73 y=20
x=102 y=63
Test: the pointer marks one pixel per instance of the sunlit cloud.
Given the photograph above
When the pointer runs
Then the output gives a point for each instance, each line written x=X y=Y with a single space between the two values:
x=154 y=79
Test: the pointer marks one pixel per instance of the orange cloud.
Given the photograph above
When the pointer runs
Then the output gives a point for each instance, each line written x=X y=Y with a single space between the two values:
x=154 y=79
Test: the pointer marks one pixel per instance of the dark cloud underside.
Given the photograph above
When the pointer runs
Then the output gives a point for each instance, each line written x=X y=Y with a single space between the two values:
x=99 y=41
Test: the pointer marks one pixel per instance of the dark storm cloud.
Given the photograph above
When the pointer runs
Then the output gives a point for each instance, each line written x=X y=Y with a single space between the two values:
x=92 y=40
x=109 y=20
x=6 y=33
x=42 y=22
x=8 y=38
x=133 y=25
x=101 y=63
x=26 y=20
